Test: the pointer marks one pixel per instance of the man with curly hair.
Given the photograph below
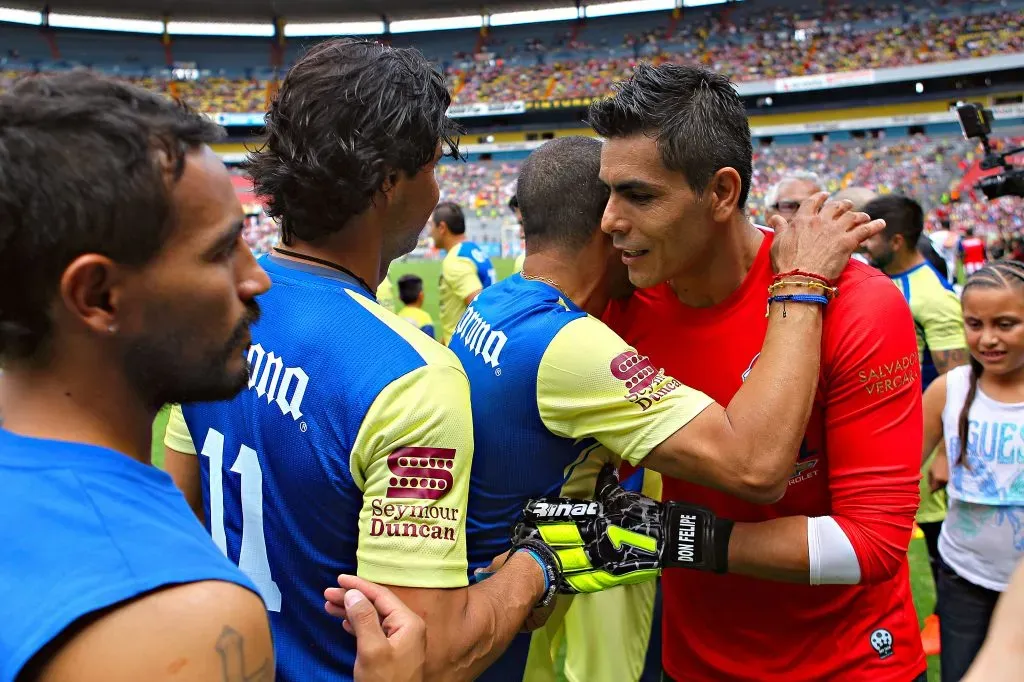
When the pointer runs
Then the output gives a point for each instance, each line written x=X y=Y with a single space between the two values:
x=350 y=452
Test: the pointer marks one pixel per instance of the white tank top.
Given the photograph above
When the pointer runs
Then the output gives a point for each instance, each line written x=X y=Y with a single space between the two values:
x=982 y=538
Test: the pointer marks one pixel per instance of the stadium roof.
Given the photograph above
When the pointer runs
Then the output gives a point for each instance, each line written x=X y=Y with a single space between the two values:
x=292 y=10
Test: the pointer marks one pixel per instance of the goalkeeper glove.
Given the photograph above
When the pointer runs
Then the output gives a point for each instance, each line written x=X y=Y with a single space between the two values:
x=621 y=537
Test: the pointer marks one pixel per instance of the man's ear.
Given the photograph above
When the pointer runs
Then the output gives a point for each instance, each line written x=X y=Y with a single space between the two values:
x=91 y=291
x=725 y=189
x=387 y=190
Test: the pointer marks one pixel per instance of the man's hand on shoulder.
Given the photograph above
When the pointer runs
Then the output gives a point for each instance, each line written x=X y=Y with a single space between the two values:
x=208 y=631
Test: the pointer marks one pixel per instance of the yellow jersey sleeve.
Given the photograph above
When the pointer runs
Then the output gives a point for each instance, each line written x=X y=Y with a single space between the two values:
x=412 y=459
x=518 y=265
x=177 y=437
x=609 y=392
x=653 y=486
x=942 y=321
x=461 y=276
x=386 y=294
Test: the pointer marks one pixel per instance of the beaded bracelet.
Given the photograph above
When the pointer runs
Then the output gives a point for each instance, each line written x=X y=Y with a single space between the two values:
x=801 y=273
x=831 y=292
x=795 y=298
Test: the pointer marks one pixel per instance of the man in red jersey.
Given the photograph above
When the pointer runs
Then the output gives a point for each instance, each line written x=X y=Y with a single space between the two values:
x=971 y=252
x=818 y=585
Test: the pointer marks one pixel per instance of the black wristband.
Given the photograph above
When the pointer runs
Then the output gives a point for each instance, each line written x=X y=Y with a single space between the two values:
x=695 y=538
x=548 y=564
x=723 y=531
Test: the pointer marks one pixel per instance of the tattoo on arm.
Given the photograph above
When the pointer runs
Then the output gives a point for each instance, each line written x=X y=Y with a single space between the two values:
x=231 y=647
x=946 y=360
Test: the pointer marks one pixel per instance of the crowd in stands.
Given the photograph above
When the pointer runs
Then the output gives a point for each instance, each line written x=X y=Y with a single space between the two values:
x=755 y=47
x=213 y=94
x=760 y=43
x=929 y=170
x=218 y=94
x=481 y=189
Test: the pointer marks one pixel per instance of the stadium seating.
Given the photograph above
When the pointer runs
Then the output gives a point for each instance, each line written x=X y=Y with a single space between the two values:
x=747 y=41
x=753 y=47
x=568 y=59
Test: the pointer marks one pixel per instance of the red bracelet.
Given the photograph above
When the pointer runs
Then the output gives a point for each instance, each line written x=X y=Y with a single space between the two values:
x=801 y=273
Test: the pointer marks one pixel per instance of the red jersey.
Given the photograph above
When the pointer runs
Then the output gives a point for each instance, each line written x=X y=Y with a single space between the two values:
x=859 y=463
x=972 y=252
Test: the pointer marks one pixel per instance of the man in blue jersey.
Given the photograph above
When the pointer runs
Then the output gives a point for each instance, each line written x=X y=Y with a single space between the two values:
x=124 y=283
x=556 y=393
x=351 y=448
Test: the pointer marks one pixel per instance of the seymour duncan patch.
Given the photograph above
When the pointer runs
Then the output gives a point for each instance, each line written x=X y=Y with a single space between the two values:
x=645 y=385
x=420 y=473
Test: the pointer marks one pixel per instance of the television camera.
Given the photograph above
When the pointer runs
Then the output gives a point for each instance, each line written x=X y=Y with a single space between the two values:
x=976 y=124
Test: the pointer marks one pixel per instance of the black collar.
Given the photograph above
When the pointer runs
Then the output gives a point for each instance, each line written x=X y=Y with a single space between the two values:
x=328 y=264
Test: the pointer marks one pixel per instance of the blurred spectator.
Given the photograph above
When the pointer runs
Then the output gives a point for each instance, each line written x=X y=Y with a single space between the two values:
x=785 y=196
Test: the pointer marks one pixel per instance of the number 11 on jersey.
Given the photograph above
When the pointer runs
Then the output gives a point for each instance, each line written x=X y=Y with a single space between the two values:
x=252 y=558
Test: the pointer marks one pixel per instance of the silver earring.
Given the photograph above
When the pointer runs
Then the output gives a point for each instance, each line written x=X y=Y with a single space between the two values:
x=112 y=329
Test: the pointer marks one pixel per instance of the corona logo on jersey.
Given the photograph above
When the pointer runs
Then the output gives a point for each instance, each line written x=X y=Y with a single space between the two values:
x=476 y=334
x=420 y=473
x=269 y=377
x=644 y=384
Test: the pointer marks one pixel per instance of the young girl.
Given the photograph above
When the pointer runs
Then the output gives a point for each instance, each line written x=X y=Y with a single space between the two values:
x=978 y=411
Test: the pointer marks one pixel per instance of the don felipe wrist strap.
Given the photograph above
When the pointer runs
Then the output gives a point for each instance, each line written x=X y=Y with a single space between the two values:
x=695 y=538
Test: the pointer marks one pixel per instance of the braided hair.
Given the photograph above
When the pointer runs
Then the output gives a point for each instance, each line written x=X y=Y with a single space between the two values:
x=996 y=275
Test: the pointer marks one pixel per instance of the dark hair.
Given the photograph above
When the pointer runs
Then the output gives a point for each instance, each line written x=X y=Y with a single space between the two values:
x=513 y=202
x=995 y=275
x=409 y=288
x=695 y=115
x=87 y=165
x=450 y=214
x=350 y=115
x=560 y=194
x=902 y=215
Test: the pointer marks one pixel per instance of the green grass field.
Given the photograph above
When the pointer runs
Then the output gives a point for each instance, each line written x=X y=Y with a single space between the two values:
x=921 y=579
x=430 y=271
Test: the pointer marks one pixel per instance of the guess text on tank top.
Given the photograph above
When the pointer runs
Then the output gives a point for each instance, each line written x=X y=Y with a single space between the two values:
x=993 y=441
x=889 y=376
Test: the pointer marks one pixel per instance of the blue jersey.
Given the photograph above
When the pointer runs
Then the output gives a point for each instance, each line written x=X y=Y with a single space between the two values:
x=349 y=452
x=555 y=394
x=500 y=341
x=484 y=267
x=85 y=528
